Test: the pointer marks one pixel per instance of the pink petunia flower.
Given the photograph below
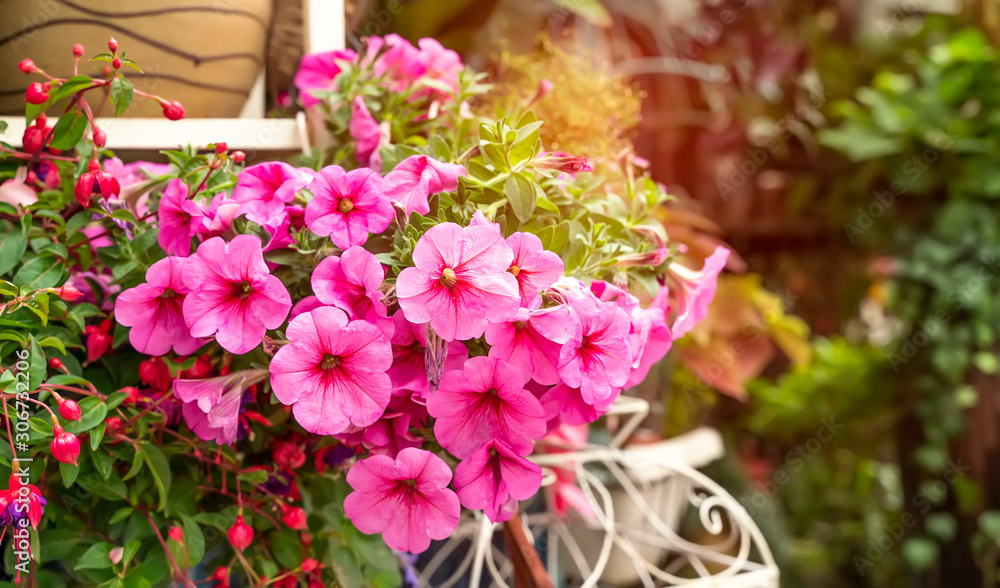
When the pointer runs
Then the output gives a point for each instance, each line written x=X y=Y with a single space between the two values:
x=179 y=219
x=351 y=282
x=153 y=310
x=305 y=305
x=658 y=341
x=485 y=400
x=212 y=406
x=417 y=177
x=695 y=290
x=401 y=62
x=494 y=478
x=317 y=72
x=264 y=189
x=531 y=340
x=535 y=268
x=410 y=357
x=597 y=358
x=565 y=405
x=460 y=281
x=479 y=220
x=365 y=130
x=219 y=216
x=391 y=434
x=233 y=296
x=333 y=371
x=348 y=206
x=440 y=64
x=406 y=499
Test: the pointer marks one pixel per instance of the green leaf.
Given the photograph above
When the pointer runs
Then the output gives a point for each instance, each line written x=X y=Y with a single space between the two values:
x=36 y=361
x=120 y=515
x=55 y=343
x=72 y=86
x=96 y=436
x=97 y=557
x=522 y=194
x=13 y=242
x=69 y=130
x=254 y=477
x=920 y=552
x=114 y=399
x=102 y=461
x=285 y=545
x=195 y=540
x=43 y=271
x=69 y=473
x=131 y=548
x=121 y=94
x=137 y=462
x=93 y=413
x=160 y=468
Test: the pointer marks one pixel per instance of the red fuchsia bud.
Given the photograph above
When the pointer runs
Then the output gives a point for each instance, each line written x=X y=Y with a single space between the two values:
x=78 y=50
x=66 y=446
x=307 y=539
x=287 y=582
x=239 y=156
x=106 y=71
x=27 y=66
x=315 y=584
x=98 y=340
x=202 y=368
x=220 y=148
x=154 y=373
x=116 y=554
x=55 y=363
x=68 y=293
x=221 y=574
x=240 y=534
x=177 y=534
x=116 y=63
x=113 y=425
x=256 y=417
x=37 y=93
x=70 y=410
x=33 y=138
x=133 y=394
x=173 y=110
x=309 y=564
x=112 y=45
x=100 y=138
x=289 y=455
x=295 y=518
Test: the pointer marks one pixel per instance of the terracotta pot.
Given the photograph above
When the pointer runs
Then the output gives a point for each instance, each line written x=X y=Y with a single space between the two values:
x=204 y=53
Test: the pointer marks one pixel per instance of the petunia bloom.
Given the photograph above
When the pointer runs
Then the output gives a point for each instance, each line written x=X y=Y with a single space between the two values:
x=348 y=206
x=179 y=219
x=333 y=371
x=317 y=71
x=658 y=340
x=264 y=189
x=365 y=130
x=565 y=405
x=351 y=282
x=494 y=478
x=535 y=268
x=597 y=358
x=532 y=339
x=485 y=400
x=417 y=177
x=460 y=281
x=411 y=356
x=233 y=296
x=153 y=310
x=695 y=290
x=212 y=406
x=407 y=499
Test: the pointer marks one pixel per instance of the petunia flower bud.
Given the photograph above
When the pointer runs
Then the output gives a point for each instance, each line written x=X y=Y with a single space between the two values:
x=37 y=92
x=116 y=554
x=69 y=409
x=66 y=446
x=240 y=534
x=78 y=50
x=565 y=163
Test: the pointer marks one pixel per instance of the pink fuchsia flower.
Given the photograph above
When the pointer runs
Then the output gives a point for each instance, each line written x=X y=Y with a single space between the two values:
x=658 y=341
x=264 y=189
x=406 y=499
x=695 y=290
x=233 y=296
x=460 y=281
x=212 y=406
x=417 y=177
x=348 y=206
x=485 y=400
x=20 y=502
x=411 y=356
x=351 y=282
x=179 y=219
x=154 y=311
x=365 y=130
x=333 y=371
x=531 y=340
x=317 y=71
x=494 y=478
x=597 y=358
x=535 y=268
